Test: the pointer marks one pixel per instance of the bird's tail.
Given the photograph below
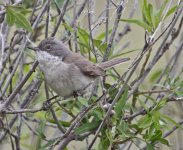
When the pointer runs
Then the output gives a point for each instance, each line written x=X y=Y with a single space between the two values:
x=113 y=62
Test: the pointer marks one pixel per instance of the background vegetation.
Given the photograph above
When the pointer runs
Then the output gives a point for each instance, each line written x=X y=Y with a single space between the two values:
x=137 y=105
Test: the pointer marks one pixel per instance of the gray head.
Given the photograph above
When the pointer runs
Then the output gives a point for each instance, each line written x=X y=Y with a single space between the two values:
x=54 y=47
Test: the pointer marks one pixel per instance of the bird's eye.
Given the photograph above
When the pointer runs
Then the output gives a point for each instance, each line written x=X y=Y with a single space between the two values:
x=48 y=47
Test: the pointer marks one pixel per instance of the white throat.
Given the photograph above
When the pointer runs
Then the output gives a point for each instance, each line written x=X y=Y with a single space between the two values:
x=45 y=56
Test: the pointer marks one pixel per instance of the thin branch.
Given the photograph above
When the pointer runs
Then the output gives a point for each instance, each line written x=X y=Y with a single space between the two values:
x=31 y=94
x=173 y=129
x=90 y=28
x=153 y=91
x=161 y=50
x=76 y=121
x=63 y=11
x=22 y=111
x=18 y=88
x=115 y=26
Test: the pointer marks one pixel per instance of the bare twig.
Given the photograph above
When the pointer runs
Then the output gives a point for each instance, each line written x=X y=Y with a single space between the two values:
x=118 y=16
x=18 y=88
x=60 y=17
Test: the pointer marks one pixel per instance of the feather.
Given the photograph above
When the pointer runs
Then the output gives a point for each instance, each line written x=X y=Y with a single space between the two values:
x=113 y=62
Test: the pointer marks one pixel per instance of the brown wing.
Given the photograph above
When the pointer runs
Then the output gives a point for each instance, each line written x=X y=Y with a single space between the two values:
x=87 y=67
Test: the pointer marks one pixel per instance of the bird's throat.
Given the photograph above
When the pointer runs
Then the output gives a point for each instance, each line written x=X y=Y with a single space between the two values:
x=45 y=56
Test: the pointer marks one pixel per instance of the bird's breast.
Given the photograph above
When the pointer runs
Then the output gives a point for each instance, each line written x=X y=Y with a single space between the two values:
x=63 y=78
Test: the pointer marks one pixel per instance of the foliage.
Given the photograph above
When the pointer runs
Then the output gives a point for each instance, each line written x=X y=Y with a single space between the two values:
x=151 y=18
x=15 y=15
x=127 y=107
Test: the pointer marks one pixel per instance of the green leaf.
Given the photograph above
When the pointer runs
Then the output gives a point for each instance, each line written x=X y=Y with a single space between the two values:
x=159 y=105
x=157 y=135
x=123 y=127
x=159 y=14
x=83 y=35
x=156 y=20
x=134 y=126
x=164 y=141
x=138 y=22
x=87 y=127
x=102 y=46
x=105 y=140
x=111 y=73
x=145 y=12
x=68 y=27
x=145 y=3
x=162 y=8
x=97 y=113
x=41 y=129
x=171 y=120
x=63 y=123
x=83 y=101
x=47 y=145
x=83 y=40
x=145 y=122
x=20 y=9
x=16 y=17
x=149 y=14
x=170 y=11
x=23 y=22
x=155 y=76
x=121 y=104
x=103 y=35
x=10 y=17
x=143 y=104
x=152 y=129
x=150 y=146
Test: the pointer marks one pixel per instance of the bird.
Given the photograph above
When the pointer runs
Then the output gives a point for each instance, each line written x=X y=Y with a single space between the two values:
x=67 y=72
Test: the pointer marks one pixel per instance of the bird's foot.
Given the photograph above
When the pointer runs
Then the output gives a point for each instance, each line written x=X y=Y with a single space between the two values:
x=76 y=94
x=46 y=105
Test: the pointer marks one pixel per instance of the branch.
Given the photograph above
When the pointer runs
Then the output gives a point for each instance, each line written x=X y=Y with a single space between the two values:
x=60 y=17
x=115 y=27
x=18 y=88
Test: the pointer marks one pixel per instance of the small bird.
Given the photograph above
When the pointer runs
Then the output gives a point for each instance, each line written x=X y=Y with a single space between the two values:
x=67 y=72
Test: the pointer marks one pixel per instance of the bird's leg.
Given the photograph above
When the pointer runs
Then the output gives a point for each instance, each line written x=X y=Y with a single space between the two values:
x=76 y=94
x=81 y=92
x=46 y=105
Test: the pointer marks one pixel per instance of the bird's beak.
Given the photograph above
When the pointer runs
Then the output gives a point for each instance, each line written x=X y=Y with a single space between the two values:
x=33 y=48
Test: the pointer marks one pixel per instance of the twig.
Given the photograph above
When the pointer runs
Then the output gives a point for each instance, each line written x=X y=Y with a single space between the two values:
x=159 y=25
x=168 y=133
x=60 y=17
x=161 y=50
x=74 y=26
x=22 y=111
x=173 y=129
x=25 y=102
x=32 y=130
x=4 y=11
x=57 y=121
x=90 y=28
x=47 y=19
x=38 y=122
x=153 y=91
x=107 y=21
x=127 y=26
x=18 y=88
x=78 y=118
x=79 y=12
x=118 y=16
